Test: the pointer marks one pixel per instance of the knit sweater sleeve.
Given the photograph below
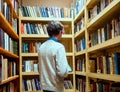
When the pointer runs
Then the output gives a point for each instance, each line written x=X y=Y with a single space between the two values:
x=61 y=62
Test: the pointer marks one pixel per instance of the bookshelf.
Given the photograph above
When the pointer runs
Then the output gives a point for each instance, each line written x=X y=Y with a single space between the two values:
x=67 y=39
x=100 y=50
x=9 y=53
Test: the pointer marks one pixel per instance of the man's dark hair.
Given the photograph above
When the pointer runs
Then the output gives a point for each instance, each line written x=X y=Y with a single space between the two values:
x=54 y=27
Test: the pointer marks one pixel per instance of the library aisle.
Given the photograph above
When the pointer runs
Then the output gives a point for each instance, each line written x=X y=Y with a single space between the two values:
x=91 y=40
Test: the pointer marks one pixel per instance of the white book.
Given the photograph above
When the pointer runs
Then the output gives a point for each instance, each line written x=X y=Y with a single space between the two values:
x=103 y=35
x=5 y=9
x=99 y=40
x=14 y=68
x=5 y=60
x=3 y=68
x=35 y=67
x=33 y=84
x=25 y=29
x=31 y=11
x=41 y=29
x=48 y=10
x=27 y=66
x=113 y=28
x=34 y=11
x=11 y=87
x=29 y=86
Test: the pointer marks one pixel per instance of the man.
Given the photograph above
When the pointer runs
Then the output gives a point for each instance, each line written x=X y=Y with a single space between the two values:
x=53 y=65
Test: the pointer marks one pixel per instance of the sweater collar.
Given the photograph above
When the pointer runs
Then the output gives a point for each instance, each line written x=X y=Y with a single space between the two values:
x=54 y=39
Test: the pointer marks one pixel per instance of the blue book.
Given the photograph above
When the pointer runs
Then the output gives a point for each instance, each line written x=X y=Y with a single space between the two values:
x=41 y=10
x=37 y=84
x=25 y=85
x=100 y=86
x=117 y=62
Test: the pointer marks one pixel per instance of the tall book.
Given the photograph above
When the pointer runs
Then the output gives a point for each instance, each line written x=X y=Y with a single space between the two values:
x=117 y=62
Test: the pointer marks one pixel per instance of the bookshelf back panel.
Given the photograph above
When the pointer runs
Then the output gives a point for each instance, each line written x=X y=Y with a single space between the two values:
x=47 y=3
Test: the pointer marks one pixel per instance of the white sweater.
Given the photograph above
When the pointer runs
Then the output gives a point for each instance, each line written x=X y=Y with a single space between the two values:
x=53 y=66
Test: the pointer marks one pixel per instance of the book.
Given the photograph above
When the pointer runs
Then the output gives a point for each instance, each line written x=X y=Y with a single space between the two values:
x=35 y=67
x=37 y=84
x=33 y=84
x=117 y=62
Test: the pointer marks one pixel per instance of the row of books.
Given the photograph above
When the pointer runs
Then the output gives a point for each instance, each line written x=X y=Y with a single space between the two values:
x=48 y=12
x=7 y=88
x=3 y=5
x=80 y=25
x=30 y=47
x=109 y=31
x=102 y=4
x=5 y=9
x=15 y=5
x=31 y=84
x=104 y=86
x=7 y=68
x=78 y=6
x=80 y=64
x=106 y=64
x=81 y=84
x=7 y=43
x=15 y=25
x=30 y=28
x=80 y=45
x=30 y=66
x=68 y=84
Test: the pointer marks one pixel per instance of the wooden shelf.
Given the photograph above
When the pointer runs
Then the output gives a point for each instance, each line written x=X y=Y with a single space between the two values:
x=69 y=90
x=80 y=33
x=29 y=54
x=34 y=36
x=36 y=54
x=105 y=76
x=70 y=73
x=80 y=73
x=7 y=53
x=9 y=79
x=69 y=54
x=80 y=52
x=45 y=19
x=30 y=73
x=102 y=17
x=7 y=27
x=91 y=3
x=34 y=91
x=107 y=44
